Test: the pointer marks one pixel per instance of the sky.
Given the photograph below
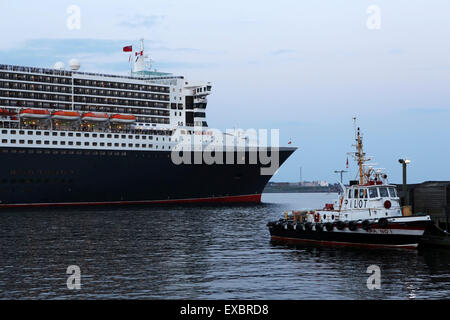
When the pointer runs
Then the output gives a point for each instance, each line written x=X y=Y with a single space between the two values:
x=306 y=68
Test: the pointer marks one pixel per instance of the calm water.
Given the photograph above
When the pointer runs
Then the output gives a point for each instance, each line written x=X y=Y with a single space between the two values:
x=198 y=253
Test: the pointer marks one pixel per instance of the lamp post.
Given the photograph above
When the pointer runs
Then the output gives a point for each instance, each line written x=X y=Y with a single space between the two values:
x=341 y=172
x=404 y=163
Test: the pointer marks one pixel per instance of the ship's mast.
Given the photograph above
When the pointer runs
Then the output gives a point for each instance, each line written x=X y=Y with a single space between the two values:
x=360 y=157
x=139 y=59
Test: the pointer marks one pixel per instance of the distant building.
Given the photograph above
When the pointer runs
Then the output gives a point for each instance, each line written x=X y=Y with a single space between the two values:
x=314 y=184
x=323 y=183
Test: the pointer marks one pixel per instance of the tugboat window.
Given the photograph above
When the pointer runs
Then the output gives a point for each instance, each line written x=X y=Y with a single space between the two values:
x=393 y=192
x=384 y=193
x=356 y=193
x=373 y=193
x=363 y=193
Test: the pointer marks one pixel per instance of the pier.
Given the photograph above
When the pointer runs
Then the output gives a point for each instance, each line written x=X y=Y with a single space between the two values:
x=431 y=198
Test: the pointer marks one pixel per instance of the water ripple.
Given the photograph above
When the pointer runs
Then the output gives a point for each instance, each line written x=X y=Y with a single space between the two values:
x=198 y=253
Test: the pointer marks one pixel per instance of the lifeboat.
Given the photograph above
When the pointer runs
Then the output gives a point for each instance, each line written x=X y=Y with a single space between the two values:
x=7 y=113
x=35 y=114
x=66 y=115
x=95 y=117
x=122 y=118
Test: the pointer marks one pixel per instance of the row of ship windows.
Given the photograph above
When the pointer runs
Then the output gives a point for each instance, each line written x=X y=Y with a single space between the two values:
x=135 y=111
x=31 y=95
x=29 y=91
x=74 y=152
x=117 y=93
x=90 y=135
x=83 y=99
x=35 y=78
x=40 y=172
x=153 y=120
x=199 y=115
x=34 y=87
x=122 y=102
x=120 y=85
x=82 y=82
x=31 y=181
x=86 y=144
x=174 y=106
x=34 y=104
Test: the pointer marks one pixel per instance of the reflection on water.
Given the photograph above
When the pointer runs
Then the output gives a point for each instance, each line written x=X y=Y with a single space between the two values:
x=198 y=253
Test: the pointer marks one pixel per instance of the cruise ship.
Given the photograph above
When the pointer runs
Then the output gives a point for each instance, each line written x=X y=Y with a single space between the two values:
x=76 y=138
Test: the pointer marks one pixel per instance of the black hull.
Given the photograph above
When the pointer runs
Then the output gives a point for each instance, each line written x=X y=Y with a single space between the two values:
x=377 y=237
x=57 y=177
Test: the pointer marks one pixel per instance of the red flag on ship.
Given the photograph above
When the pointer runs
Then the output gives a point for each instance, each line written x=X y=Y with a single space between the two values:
x=128 y=49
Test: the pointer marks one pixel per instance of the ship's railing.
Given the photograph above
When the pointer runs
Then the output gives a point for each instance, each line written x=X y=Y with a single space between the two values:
x=70 y=73
x=16 y=125
x=35 y=70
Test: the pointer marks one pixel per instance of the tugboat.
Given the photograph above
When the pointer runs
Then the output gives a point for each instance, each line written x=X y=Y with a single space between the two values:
x=367 y=213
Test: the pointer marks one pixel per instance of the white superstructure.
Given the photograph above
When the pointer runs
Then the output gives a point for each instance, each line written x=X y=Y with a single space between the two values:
x=147 y=102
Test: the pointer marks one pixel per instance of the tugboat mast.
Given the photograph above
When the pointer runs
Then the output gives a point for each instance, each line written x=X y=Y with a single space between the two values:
x=360 y=157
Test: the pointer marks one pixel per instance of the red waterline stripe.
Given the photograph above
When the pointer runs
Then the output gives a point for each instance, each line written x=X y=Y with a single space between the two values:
x=232 y=199
x=347 y=244
x=399 y=227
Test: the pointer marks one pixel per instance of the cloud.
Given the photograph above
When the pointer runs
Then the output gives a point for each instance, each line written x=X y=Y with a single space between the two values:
x=45 y=52
x=141 y=21
x=98 y=55
x=282 y=52
x=67 y=47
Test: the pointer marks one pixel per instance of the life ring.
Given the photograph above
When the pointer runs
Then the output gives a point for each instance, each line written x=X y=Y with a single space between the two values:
x=366 y=225
x=352 y=226
x=383 y=223
x=308 y=226
x=329 y=226
x=340 y=225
